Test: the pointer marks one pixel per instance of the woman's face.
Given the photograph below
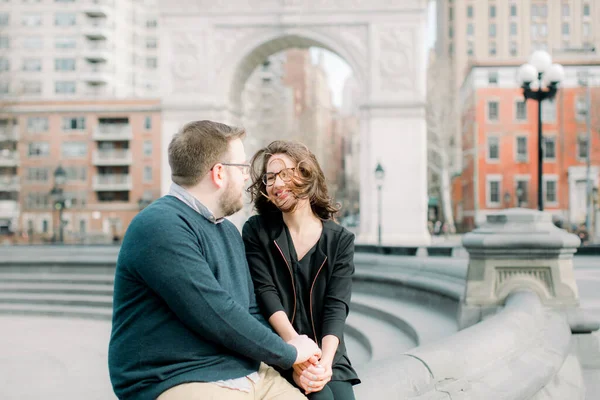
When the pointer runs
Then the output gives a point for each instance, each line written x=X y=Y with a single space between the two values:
x=280 y=170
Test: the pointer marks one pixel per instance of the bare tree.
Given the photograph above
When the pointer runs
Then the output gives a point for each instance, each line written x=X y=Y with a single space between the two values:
x=442 y=120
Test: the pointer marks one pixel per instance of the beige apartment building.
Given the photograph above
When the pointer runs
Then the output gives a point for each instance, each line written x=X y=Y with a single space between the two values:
x=110 y=151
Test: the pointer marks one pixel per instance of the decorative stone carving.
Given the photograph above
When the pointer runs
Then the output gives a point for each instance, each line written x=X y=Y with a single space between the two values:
x=396 y=59
x=189 y=72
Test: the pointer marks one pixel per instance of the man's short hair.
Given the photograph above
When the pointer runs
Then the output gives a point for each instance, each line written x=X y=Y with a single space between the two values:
x=197 y=147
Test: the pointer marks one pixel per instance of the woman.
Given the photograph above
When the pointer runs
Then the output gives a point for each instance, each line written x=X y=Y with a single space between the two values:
x=301 y=263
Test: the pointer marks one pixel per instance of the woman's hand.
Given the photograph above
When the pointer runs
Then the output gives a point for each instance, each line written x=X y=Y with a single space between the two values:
x=315 y=377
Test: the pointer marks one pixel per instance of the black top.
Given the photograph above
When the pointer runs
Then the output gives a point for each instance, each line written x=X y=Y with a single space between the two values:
x=269 y=252
x=303 y=279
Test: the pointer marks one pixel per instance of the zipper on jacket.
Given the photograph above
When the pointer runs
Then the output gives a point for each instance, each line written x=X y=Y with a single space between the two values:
x=292 y=276
x=312 y=319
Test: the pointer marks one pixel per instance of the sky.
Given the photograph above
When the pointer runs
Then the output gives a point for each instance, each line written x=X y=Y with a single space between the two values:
x=338 y=70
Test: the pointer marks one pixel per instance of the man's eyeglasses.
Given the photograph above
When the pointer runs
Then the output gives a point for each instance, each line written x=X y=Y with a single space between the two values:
x=245 y=168
x=285 y=174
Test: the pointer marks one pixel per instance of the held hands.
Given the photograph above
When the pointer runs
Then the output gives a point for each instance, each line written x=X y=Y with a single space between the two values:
x=306 y=348
x=312 y=377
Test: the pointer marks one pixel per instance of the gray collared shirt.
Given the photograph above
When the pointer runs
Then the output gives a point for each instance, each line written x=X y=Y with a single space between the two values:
x=243 y=383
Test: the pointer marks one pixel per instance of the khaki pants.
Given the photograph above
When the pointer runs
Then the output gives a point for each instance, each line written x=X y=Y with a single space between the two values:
x=271 y=386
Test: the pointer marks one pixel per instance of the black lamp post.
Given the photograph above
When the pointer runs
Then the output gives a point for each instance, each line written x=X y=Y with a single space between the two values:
x=379 y=176
x=57 y=194
x=548 y=77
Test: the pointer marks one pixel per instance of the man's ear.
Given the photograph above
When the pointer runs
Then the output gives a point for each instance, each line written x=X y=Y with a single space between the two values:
x=217 y=175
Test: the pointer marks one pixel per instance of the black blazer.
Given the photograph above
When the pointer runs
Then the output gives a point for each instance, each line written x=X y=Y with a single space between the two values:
x=268 y=254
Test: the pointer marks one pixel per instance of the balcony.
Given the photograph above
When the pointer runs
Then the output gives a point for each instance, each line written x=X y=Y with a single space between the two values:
x=97 y=51
x=113 y=132
x=9 y=158
x=96 y=8
x=9 y=209
x=97 y=29
x=114 y=157
x=10 y=184
x=112 y=183
x=9 y=133
x=96 y=74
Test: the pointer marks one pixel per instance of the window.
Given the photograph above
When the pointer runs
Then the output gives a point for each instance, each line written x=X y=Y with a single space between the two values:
x=32 y=64
x=64 y=64
x=32 y=87
x=534 y=31
x=565 y=28
x=4 y=18
x=147 y=174
x=32 y=20
x=492 y=31
x=65 y=19
x=492 y=48
x=493 y=77
x=513 y=10
x=82 y=226
x=543 y=30
x=549 y=148
x=76 y=174
x=39 y=149
x=37 y=124
x=543 y=10
x=469 y=11
x=450 y=32
x=38 y=200
x=4 y=64
x=586 y=10
x=492 y=11
x=470 y=29
x=151 y=23
x=151 y=43
x=451 y=49
x=493 y=190
x=493 y=148
x=521 y=148
x=582 y=146
x=586 y=31
x=4 y=42
x=450 y=14
x=493 y=110
x=65 y=42
x=513 y=28
x=147 y=147
x=470 y=47
x=33 y=42
x=45 y=223
x=37 y=174
x=534 y=10
x=580 y=109
x=513 y=48
x=64 y=87
x=521 y=111
x=73 y=123
x=549 y=110
x=148 y=123
x=74 y=149
x=522 y=185
x=550 y=185
x=151 y=62
x=4 y=87
x=566 y=10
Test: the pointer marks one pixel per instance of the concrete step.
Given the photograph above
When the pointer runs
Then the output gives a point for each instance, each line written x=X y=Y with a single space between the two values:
x=104 y=279
x=428 y=324
x=53 y=287
x=57 y=311
x=88 y=300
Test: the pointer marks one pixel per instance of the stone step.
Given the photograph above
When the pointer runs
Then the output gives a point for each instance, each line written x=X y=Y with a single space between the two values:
x=54 y=287
x=57 y=311
x=88 y=300
x=429 y=326
x=57 y=277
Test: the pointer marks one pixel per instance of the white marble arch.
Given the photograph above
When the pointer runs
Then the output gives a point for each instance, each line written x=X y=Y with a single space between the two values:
x=209 y=49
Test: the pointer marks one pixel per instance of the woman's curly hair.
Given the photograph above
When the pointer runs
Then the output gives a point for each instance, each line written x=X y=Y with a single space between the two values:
x=308 y=180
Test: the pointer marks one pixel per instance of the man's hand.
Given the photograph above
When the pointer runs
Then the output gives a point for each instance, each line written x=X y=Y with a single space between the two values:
x=305 y=347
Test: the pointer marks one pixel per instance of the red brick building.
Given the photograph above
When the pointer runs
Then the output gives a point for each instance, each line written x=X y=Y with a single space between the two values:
x=499 y=145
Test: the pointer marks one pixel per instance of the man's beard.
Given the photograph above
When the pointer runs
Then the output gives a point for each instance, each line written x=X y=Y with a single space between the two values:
x=231 y=201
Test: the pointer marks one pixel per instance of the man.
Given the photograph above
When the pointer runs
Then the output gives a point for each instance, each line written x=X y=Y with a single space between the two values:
x=185 y=320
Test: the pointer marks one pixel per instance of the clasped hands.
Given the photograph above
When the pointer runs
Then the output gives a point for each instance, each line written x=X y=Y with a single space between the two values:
x=311 y=372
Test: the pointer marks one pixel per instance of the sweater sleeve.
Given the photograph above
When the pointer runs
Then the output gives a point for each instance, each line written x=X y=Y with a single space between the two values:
x=173 y=266
x=266 y=292
x=339 y=289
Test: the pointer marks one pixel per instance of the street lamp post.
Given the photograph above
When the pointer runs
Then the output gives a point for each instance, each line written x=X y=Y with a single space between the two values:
x=57 y=194
x=379 y=176
x=548 y=77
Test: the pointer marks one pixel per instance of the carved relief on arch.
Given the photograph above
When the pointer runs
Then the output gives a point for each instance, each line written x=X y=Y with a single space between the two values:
x=188 y=71
x=510 y=279
x=397 y=59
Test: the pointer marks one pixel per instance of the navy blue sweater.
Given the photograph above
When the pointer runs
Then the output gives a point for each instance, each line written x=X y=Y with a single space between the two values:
x=184 y=307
